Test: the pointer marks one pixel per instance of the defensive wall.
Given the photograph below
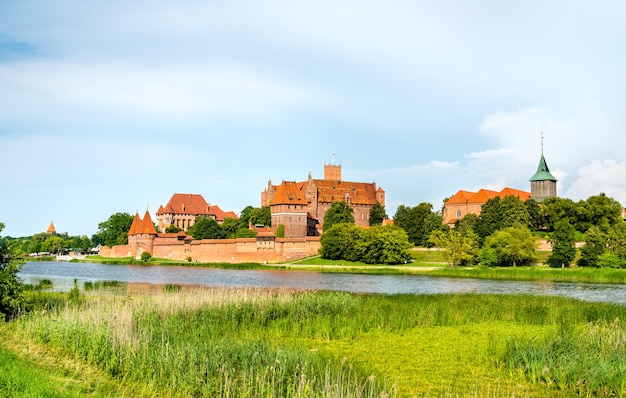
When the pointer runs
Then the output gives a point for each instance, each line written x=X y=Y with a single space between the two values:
x=241 y=250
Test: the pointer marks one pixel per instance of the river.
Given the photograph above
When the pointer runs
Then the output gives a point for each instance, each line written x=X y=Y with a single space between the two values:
x=63 y=274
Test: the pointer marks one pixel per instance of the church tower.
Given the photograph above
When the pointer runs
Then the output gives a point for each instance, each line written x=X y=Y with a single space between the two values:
x=542 y=183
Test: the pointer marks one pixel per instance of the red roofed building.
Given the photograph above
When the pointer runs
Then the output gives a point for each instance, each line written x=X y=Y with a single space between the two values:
x=318 y=195
x=183 y=208
x=465 y=202
x=51 y=230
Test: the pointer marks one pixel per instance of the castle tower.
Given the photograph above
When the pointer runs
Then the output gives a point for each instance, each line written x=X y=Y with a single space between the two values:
x=332 y=172
x=542 y=183
x=51 y=230
x=141 y=235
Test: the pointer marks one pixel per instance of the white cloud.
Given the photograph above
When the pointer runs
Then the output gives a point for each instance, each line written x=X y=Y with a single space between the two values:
x=600 y=176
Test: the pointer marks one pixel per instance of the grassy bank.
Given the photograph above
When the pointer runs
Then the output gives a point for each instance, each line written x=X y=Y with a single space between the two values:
x=274 y=343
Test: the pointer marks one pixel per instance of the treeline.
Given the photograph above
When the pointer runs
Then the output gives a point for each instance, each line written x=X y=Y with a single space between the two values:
x=45 y=243
x=505 y=232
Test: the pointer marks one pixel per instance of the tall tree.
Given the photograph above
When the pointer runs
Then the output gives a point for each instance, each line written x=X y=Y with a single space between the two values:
x=497 y=214
x=377 y=214
x=230 y=226
x=260 y=216
x=114 y=231
x=417 y=221
x=595 y=244
x=11 y=295
x=339 y=212
x=534 y=213
x=244 y=218
x=510 y=246
x=563 y=245
x=459 y=247
x=206 y=228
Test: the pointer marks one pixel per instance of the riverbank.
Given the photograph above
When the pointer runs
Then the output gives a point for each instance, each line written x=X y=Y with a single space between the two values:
x=281 y=342
x=425 y=266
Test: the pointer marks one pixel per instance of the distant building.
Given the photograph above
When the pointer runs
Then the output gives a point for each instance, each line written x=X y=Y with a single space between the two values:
x=542 y=186
x=183 y=209
x=542 y=183
x=51 y=230
x=466 y=202
x=314 y=197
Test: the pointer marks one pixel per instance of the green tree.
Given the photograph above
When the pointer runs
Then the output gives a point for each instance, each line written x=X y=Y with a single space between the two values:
x=383 y=245
x=377 y=214
x=535 y=214
x=206 y=228
x=244 y=218
x=339 y=212
x=563 y=245
x=245 y=233
x=601 y=211
x=11 y=294
x=260 y=216
x=510 y=246
x=339 y=242
x=595 y=244
x=558 y=209
x=230 y=226
x=280 y=231
x=497 y=214
x=375 y=245
x=172 y=229
x=459 y=247
x=114 y=231
x=418 y=222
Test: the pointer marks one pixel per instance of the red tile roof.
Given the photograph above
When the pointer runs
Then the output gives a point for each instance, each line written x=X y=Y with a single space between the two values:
x=139 y=226
x=51 y=229
x=134 y=227
x=289 y=192
x=523 y=195
x=193 y=204
x=484 y=195
x=185 y=203
x=460 y=197
x=147 y=226
x=333 y=191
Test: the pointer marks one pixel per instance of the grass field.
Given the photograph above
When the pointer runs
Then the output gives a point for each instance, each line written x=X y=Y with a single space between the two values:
x=276 y=343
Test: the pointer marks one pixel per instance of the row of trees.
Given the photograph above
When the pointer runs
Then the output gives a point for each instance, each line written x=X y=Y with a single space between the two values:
x=502 y=235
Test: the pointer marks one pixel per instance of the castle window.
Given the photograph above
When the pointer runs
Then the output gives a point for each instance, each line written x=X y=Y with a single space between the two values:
x=458 y=213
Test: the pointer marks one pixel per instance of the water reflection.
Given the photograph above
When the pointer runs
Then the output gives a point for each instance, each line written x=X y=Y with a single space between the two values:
x=63 y=275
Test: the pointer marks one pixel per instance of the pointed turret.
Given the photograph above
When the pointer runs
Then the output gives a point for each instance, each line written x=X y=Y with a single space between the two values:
x=134 y=227
x=542 y=183
x=147 y=226
x=51 y=230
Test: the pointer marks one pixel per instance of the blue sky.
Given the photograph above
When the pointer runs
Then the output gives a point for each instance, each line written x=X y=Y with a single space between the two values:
x=114 y=106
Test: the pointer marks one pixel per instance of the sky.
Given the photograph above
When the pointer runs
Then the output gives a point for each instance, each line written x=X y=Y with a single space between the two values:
x=114 y=106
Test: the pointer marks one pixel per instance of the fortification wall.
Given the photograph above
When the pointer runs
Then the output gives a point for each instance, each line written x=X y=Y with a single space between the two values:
x=240 y=250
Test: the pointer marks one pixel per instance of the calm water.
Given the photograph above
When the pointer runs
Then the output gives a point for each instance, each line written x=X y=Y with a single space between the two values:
x=63 y=274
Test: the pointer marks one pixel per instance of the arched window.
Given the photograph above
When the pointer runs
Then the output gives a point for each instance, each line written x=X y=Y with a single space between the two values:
x=458 y=213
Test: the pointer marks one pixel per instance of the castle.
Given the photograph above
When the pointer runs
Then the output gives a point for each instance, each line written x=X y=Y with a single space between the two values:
x=183 y=209
x=265 y=248
x=301 y=206
x=542 y=186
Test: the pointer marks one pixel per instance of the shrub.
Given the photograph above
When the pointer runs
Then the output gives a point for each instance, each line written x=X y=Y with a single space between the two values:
x=145 y=256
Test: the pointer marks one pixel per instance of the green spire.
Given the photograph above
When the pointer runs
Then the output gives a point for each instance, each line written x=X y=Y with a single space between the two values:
x=543 y=172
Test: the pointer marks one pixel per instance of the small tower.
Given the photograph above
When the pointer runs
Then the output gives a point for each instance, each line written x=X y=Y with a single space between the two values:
x=51 y=230
x=542 y=183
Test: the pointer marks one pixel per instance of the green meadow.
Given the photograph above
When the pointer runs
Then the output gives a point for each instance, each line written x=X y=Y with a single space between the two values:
x=243 y=342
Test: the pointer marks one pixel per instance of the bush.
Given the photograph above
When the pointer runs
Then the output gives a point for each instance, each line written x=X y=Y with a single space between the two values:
x=145 y=256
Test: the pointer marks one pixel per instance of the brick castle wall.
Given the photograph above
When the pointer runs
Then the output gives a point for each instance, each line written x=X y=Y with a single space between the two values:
x=240 y=250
